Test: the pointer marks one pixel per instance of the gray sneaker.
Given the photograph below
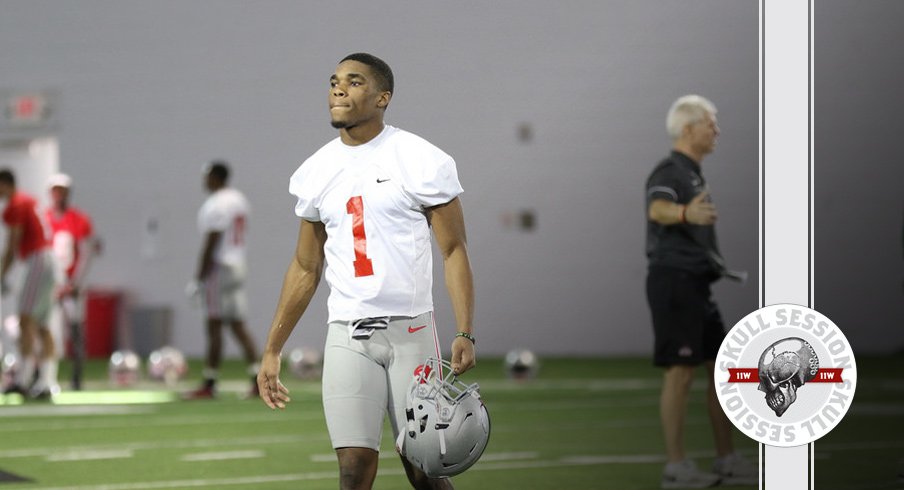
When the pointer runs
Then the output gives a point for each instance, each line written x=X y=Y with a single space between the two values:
x=736 y=470
x=686 y=475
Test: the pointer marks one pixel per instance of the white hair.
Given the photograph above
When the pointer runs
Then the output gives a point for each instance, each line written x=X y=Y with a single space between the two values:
x=689 y=109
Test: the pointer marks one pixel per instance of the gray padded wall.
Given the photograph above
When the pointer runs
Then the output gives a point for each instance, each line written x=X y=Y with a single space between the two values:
x=153 y=90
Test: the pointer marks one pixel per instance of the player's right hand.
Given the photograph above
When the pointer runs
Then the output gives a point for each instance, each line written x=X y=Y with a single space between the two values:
x=700 y=211
x=272 y=391
x=192 y=289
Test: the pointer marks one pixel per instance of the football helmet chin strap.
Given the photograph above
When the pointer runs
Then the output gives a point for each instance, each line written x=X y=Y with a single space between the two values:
x=447 y=425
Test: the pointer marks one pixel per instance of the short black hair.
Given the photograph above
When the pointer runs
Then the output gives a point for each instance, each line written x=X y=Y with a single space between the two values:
x=382 y=70
x=7 y=177
x=219 y=170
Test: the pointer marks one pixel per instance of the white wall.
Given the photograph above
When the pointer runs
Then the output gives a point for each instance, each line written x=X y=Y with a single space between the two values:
x=152 y=90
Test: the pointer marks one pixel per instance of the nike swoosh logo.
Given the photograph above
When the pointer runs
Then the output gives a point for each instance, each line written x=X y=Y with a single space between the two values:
x=415 y=329
x=380 y=181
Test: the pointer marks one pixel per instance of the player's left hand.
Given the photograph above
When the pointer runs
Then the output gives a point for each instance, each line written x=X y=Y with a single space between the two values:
x=67 y=289
x=463 y=357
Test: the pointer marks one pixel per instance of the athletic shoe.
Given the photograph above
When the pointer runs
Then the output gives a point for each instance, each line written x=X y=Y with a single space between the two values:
x=41 y=395
x=202 y=393
x=736 y=470
x=15 y=388
x=686 y=475
x=42 y=391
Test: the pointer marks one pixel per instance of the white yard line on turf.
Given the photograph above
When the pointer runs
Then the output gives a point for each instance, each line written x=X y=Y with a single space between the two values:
x=568 y=461
x=163 y=421
x=74 y=410
x=331 y=457
x=136 y=446
x=67 y=457
x=224 y=455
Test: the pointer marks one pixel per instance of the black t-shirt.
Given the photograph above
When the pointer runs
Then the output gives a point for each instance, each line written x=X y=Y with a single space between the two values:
x=681 y=246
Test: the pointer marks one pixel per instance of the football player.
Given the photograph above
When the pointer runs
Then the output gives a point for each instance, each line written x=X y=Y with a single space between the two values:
x=73 y=244
x=27 y=242
x=367 y=202
x=220 y=277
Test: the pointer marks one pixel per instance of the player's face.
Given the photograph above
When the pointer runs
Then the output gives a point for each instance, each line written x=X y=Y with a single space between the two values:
x=354 y=97
x=704 y=134
x=208 y=182
x=59 y=196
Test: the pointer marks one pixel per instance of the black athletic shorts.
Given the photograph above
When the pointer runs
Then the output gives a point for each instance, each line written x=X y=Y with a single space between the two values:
x=687 y=325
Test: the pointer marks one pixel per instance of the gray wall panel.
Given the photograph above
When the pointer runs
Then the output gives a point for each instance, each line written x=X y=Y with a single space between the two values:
x=152 y=90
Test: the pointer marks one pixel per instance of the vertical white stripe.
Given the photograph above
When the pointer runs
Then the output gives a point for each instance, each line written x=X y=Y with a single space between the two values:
x=439 y=354
x=785 y=188
x=436 y=346
x=760 y=463
x=812 y=183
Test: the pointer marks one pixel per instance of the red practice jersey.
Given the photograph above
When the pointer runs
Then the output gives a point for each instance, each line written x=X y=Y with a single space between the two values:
x=68 y=229
x=22 y=212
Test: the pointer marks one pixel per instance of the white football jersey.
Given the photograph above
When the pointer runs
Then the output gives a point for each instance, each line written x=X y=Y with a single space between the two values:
x=226 y=211
x=371 y=199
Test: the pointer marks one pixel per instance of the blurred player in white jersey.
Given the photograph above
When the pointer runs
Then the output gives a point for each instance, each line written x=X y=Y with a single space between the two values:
x=73 y=242
x=220 y=278
x=367 y=201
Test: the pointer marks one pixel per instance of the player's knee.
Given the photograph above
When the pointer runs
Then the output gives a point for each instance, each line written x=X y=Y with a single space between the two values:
x=238 y=329
x=681 y=376
x=214 y=329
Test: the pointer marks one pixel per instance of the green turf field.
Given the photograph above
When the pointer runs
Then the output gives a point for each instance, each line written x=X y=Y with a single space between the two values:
x=582 y=424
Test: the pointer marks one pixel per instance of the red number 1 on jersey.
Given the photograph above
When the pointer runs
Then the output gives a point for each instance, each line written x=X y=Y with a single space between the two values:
x=363 y=265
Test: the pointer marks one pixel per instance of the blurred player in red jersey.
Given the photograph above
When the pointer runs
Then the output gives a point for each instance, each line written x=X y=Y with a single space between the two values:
x=27 y=242
x=74 y=244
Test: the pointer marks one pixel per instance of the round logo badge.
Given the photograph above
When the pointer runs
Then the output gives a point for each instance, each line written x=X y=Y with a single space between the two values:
x=785 y=375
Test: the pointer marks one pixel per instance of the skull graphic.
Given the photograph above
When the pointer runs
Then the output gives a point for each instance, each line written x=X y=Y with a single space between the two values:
x=784 y=367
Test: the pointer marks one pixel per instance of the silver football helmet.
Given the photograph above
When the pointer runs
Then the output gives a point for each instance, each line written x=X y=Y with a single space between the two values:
x=306 y=363
x=448 y=426
x=167 y=364
x=124 y=367
x=521 y=364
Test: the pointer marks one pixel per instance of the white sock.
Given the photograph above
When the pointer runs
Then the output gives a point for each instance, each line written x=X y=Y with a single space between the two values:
x=26 y=372
x=49 y=369
x=253 y=369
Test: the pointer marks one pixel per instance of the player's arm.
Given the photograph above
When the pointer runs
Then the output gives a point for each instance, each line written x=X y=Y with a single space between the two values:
x=448 y=225
x=87 y=248
x=299 y=285
x=205 y=263
x=12 y=243
x=699 y=211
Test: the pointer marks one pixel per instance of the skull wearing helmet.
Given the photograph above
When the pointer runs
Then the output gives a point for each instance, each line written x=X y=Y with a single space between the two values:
x=784 y=367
